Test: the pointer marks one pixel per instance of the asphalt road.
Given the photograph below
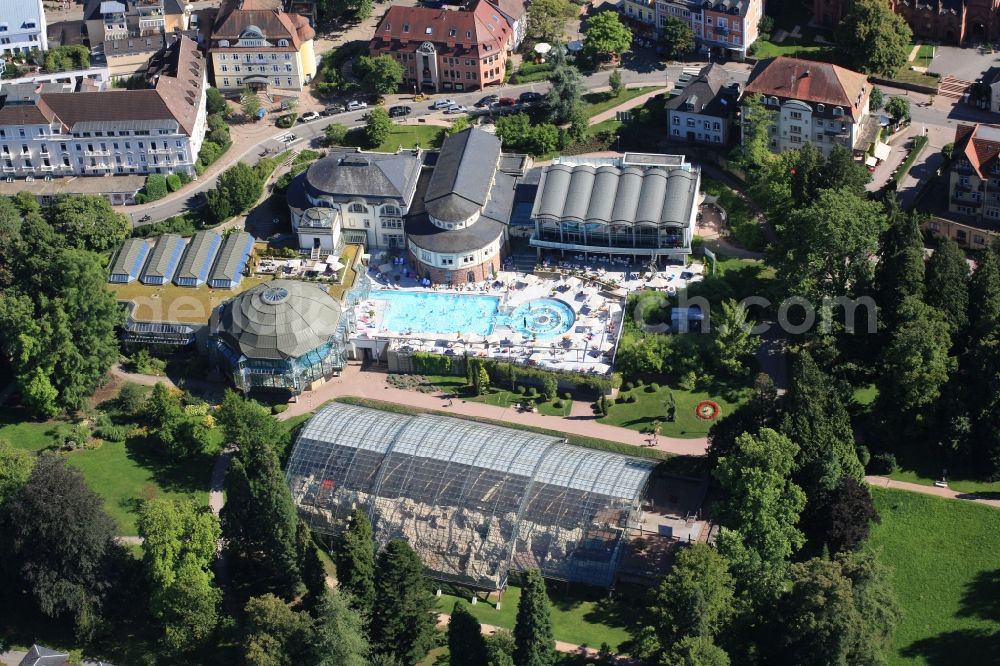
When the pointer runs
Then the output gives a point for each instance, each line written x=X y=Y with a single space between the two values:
x=308 y=134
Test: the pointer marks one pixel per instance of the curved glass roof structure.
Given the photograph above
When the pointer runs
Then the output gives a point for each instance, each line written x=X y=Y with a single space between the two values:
x=475 y=500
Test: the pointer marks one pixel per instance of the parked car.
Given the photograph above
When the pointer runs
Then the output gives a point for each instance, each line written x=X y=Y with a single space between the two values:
x=442 y=104
x=507 y=101
x=487 y=101
x=530 y=97
x=307 y=116
x=356 y=105
x=399 y=111
x=332 y=109
x=456 y=108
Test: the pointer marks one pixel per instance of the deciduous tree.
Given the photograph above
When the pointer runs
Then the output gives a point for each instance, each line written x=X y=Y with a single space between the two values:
x=334 y=134
x=58 y=543
x=237 y=189
x=275 y=634
x=89 y=223
x=616 y=82
x=250 y=103
x=547 y=18
x=563 y=98
x=984 y=293
x=534 y=644
x=873 y=39
x=15 y=469
x=762 y=513
x=847 y=516
x=380 y=75
x=754 y=150
x=378 y=127
x=606 y=34
x=732 y=342
x=695 y=651
x=916 y=363
x=898 y=108
x=696 y=597
x=676 y=37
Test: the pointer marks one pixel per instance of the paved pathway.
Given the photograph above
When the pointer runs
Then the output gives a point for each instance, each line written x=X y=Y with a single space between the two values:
x=561 y=646
x=625 y=106
x=948 y=493
x=372 y=384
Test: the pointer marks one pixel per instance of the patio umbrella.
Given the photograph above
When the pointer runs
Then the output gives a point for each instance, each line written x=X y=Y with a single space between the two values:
x=575 y=46
x=542 y=48
x=658 y=282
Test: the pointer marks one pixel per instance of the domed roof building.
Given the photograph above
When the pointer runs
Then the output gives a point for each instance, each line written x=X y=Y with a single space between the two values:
x=283 y=335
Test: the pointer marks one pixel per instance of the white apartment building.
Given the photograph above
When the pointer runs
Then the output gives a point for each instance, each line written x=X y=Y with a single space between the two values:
x=726 y=27
x=47 y=130
x=813 y=102
x=22 y=27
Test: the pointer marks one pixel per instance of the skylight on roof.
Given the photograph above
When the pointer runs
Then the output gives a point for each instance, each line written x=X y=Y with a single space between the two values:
x=428 y=30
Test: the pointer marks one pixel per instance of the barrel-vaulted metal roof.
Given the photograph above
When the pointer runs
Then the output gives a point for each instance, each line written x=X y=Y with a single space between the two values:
x=164 y=259
x=130 y=260
x=279 y=320
x=232 y=257
x=474 y=499
x=612 y=195
x=199 y=257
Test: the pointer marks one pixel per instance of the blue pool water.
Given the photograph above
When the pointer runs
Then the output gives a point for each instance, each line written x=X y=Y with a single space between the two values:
x=438 y=313
x=433 y=312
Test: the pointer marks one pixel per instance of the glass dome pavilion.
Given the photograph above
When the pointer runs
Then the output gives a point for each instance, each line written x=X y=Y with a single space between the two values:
x=281 y=335
x=474 y=500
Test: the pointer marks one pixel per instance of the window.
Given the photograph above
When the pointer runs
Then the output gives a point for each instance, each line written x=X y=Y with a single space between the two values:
x=979 y=240
x=468 y=259
x=795 y=115
x=690 y=122
x=676 y=120
x=452 y=32
x=676 y=132
x=795 y=129
x=796 y=139
x=357 y=208
x=837 y=111
x=820 y=108
x=447 y=261
x=406 y=27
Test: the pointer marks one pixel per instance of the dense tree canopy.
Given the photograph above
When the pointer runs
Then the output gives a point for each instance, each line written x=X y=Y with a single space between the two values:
x=404 y=618
x=676 y=37
x=466 y=644
x=696 y=597
x=58 y=543
x=378 y=127
x=276 y=635
x=606 y=34
x=15 y=469
x=917 y=362
x=340 y=633
x=563 y=98
x=381 y=74
x=733 y=344
x=237 y=189
x=547 y=18
x=754 y=150
x=355 y=559
x=946 y=283
x=89 y=223
x=900 y=270
x=873 y=39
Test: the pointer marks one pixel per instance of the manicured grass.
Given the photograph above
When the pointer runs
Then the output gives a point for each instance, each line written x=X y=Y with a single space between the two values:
x=21 y=433
x=865 y=395
x=605 y=125
x=495 y=396
x=583 y=618
x=924 y=56
x=599 y=102
x=126 y=473
x=408 y=136
x=639 y=415
x=907 y=75
x=792 y=47
x=746 y=232
x=178 y=304
x=945 y=556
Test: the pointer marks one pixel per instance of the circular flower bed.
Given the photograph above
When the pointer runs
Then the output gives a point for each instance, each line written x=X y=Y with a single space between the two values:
x=707 y=410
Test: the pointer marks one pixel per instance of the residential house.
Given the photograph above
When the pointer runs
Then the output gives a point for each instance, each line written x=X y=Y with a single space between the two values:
x=516 y=14
x=47 y=130
x=122 y=19
x=973 y=217
x=950 y=21
x=22 y=27
x=814 y=102
x=639 y=15
x=703 y=110
x=720 y=27
x=442 y=49
x=256 y=44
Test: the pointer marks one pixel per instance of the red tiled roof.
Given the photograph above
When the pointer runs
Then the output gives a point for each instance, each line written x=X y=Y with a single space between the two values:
x=811 y=81
x=482 y=25
x=980 y=144
x=236 y=15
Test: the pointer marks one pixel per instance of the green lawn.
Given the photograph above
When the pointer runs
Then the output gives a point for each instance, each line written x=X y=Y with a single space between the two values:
x=408 y=136
x=945 y=556
x=126 y=473
x=582 y=618
x=907 y=75
x=496 y=395
x=924 y=56
x=599 y=102
x=640 y=414
x=606 y=125
x=791 y=47
x=24 y=434
x=746 y=232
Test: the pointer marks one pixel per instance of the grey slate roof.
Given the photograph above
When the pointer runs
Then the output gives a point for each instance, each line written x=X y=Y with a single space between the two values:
x=199 y=256
x=462 y=177
x=232 y=256
x=710 y=94
x=347 y=174
x=279 y=320
x=43 y=656
x=610 y=195
x=131 y=257
x=487 y=229
x=165 y=257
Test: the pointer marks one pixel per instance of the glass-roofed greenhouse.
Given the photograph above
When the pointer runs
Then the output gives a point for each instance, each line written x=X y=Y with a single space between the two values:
x=475 y=500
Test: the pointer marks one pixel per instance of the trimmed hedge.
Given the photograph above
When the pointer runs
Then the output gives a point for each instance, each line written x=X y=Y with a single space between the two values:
x=156 y=187
x=174 y=182
x=503 y=372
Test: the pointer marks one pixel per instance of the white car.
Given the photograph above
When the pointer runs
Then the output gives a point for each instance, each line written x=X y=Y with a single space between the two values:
x=443 y=104
x=356 y=105
x=307 y=116
x=456 y=108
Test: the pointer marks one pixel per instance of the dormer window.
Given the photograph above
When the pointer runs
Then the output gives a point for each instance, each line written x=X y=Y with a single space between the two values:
x=820 y=108
x=406 y=27
x=837 y=111
x=282 y=42
x=469 y=34
x=452 y=32
x=429 y=30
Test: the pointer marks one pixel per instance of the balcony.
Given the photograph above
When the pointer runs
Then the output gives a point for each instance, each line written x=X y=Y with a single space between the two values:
x=9 y=169
x=96 y=153
x=967 y=202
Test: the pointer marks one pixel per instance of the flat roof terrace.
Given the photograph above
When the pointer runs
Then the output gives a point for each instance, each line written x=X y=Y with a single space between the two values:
x=181 y=305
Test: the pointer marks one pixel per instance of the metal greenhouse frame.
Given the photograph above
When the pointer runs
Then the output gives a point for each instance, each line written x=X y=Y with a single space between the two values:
x=475 y=500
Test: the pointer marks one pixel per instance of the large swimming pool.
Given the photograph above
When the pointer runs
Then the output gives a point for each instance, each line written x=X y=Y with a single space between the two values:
x=437 y=313
x=442 y=313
